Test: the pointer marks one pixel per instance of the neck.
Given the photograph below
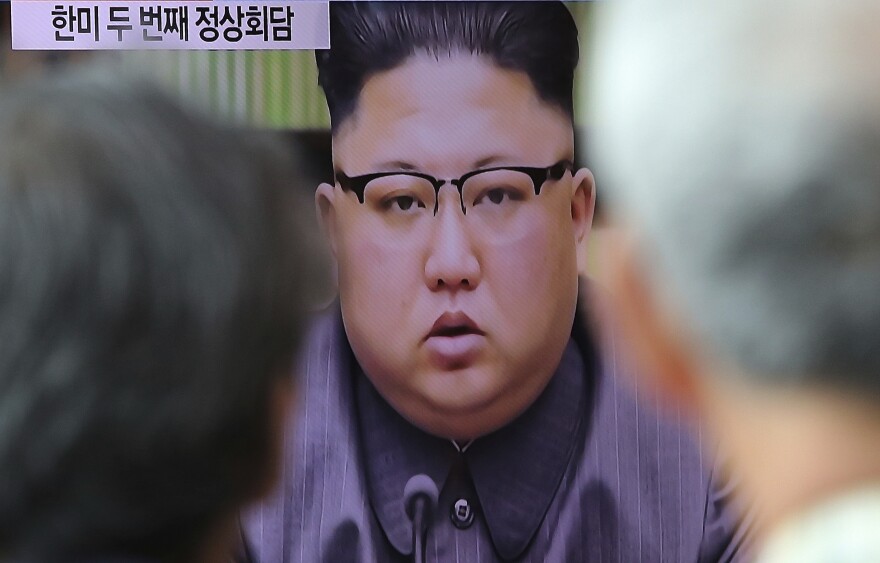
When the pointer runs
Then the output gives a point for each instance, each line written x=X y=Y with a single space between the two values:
x=799 y=448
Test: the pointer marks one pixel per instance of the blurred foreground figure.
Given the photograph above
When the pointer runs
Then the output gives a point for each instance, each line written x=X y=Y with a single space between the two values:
x=741 y=142
x=152 y=277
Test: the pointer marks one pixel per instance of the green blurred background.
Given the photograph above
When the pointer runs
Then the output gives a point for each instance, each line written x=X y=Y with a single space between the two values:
x=276 y=89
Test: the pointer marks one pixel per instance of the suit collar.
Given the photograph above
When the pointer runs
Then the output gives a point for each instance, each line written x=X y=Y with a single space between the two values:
x=516 y=470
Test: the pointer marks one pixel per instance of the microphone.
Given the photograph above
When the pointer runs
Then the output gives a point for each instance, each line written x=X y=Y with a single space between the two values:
x=420 y=501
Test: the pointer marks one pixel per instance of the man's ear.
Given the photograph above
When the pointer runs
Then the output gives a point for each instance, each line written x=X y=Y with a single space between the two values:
x=583 y=202
x=664 y=357
x=325 y=206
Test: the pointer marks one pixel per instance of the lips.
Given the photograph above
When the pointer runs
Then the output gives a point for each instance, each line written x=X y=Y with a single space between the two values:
x=455 y=342
x=452 y=324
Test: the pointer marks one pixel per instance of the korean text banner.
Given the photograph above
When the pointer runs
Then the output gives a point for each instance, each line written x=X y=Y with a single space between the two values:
x=109 y=24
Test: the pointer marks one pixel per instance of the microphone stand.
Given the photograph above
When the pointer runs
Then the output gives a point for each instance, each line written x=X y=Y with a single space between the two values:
x=419 y=530
x=420 y=500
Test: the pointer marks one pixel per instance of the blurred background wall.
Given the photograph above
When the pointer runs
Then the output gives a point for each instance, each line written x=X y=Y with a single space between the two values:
x=276 y=89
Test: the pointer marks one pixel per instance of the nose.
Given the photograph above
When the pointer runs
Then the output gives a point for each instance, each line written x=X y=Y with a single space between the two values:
x=451 y=263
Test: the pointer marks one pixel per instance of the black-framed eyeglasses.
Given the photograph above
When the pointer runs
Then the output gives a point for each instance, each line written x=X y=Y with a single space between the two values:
x=497 y=190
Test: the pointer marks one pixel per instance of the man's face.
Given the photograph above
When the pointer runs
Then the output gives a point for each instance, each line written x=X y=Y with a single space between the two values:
x=458 y=329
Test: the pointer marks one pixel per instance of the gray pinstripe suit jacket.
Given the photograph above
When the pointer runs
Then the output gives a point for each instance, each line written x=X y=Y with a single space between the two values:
x=636 y=491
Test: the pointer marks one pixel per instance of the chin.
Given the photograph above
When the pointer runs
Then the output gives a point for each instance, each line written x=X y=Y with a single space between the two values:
x=462 y=391
x=459 y=427
x=460 y=410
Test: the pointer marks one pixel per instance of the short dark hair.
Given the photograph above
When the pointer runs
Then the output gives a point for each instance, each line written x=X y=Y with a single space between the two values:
x=152 y=274
x=538 y=38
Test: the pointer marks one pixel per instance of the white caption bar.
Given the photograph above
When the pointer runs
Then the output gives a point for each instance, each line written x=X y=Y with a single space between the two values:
x=180 y=24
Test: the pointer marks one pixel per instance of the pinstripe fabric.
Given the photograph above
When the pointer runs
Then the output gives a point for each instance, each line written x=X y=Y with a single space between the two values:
x=509 y=478
x=635 y=492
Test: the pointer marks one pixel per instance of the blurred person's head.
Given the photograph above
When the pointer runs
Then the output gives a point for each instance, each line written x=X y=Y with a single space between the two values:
x=740 y=141
x=152 y=283
x=457 y=298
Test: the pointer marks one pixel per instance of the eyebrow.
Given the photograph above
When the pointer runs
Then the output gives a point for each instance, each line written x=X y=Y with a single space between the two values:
x=493 y=159
x=406 y=166
x=393 y=165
